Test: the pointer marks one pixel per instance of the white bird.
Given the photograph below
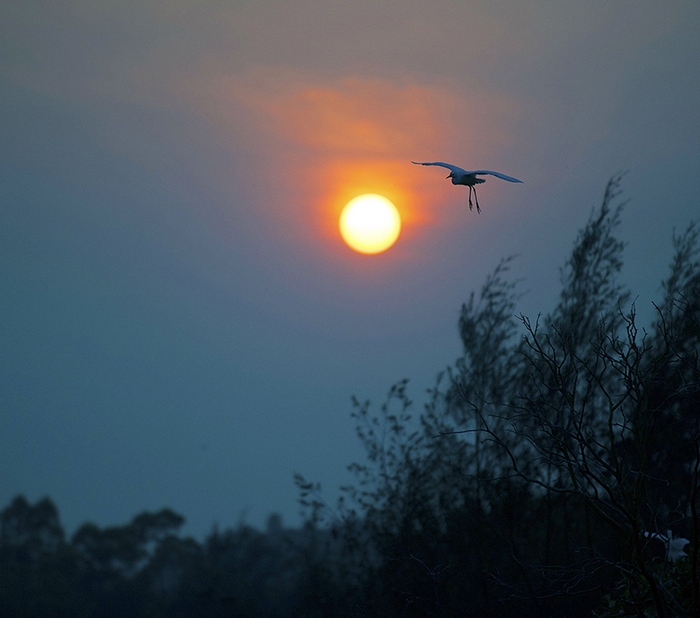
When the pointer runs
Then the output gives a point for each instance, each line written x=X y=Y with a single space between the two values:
x=469 y=178
x=674 y=544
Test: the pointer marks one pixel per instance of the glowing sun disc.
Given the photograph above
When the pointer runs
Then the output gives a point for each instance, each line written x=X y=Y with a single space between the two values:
x=370 y=223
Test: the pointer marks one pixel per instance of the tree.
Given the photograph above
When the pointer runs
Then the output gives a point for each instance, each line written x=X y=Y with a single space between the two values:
x=547 y=459
x=603 y=415
x=37 y=570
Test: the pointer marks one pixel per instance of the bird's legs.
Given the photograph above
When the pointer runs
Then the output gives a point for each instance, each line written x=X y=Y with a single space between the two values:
x=476 y=199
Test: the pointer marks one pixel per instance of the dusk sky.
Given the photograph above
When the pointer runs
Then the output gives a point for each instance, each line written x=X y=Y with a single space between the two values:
x=181 y=323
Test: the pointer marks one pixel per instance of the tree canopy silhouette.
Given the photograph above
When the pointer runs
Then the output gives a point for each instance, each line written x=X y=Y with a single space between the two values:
x=553 y=470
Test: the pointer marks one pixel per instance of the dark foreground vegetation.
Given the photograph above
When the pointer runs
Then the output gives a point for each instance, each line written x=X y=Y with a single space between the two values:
x=550 y=473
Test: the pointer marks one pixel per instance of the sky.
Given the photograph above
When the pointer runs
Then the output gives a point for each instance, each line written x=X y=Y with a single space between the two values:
x=181 y=323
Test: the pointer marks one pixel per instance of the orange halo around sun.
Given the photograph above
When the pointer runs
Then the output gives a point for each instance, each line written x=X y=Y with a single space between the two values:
x=370 y=223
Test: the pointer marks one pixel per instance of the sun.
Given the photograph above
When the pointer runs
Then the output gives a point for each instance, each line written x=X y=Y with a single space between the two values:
x=370 y=223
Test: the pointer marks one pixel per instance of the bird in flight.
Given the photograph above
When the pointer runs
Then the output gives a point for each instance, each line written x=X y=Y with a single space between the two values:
x=469 y=178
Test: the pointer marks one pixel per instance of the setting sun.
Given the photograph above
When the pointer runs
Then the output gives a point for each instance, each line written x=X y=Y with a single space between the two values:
x=370 y=223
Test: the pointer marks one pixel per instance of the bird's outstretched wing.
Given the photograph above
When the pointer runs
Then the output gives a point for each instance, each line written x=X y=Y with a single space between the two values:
x=452 y=168
x=461 y=170
x=496 y=174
